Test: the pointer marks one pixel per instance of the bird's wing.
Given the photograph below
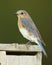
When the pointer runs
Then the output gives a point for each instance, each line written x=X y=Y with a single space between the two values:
x=31 y=27
x=42 y=47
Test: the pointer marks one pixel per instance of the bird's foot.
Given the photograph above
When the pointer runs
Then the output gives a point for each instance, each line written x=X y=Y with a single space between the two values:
x=28 y=44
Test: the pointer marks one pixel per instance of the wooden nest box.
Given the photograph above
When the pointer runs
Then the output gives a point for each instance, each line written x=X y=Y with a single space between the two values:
x=20 y=54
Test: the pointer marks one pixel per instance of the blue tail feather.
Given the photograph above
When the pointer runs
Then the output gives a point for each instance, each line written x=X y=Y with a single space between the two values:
x=41 y=46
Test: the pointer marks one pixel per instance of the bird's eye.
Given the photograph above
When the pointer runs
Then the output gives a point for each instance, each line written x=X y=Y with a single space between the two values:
x=22 y=13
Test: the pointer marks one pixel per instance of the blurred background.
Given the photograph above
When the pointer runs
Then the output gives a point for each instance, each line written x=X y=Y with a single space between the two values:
x=41 y=13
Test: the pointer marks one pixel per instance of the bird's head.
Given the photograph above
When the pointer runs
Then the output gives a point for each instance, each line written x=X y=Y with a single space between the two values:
x=22 y=14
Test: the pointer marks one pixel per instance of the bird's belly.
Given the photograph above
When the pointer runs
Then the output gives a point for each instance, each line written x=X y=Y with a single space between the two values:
x=26 y=35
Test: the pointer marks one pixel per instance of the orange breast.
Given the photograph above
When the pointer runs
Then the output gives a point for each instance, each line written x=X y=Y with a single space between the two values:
x=20 y=25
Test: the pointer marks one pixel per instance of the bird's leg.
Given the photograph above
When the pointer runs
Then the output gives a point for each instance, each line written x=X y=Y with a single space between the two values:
x=15 y=45
x=28 y=44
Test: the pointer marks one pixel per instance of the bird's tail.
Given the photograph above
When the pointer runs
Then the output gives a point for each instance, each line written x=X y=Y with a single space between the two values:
x=41 y=46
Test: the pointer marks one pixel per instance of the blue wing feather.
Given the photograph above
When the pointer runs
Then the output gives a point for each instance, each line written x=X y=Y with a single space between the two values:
x=24 y=21
x=41 y=46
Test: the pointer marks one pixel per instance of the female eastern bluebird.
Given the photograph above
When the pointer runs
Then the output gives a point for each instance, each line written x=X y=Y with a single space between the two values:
x=29 y=30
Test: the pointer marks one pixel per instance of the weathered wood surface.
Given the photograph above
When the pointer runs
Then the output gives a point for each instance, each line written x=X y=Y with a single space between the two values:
x=2 y=58
x=19 y=47
x=24 y=60
x=20 y=59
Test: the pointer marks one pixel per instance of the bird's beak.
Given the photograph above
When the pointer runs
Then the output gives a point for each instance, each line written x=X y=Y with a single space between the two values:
x=15 y=14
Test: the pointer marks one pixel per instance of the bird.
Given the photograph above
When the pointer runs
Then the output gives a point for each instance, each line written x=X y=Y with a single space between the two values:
x=29 y=30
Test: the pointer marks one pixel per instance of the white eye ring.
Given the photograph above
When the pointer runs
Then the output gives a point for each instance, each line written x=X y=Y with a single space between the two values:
x=22 y=13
